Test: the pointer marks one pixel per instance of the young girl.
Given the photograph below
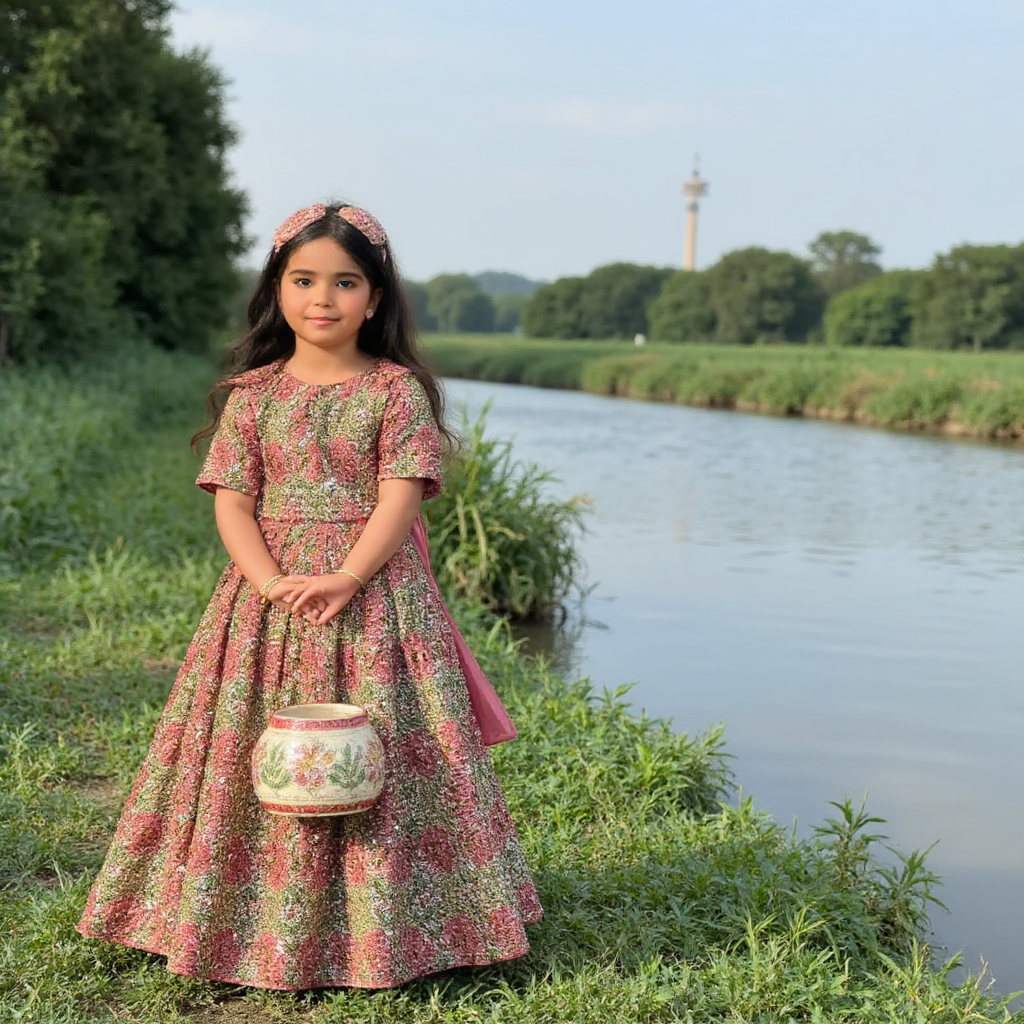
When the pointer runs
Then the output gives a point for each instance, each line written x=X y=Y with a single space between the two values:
x=329 y=440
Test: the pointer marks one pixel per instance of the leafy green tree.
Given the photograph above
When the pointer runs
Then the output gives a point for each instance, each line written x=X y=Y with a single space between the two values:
x=877 y=312
x=508 y=312
x=555 y=311
x=245 y=284
x=682 y=310
x=456 y=304
x=616 y=297
x=762 y=296
x=971 y=297
x=46 y=237
x=117 y=145
x=843 y=259
x=417 y=296
x=611 y=302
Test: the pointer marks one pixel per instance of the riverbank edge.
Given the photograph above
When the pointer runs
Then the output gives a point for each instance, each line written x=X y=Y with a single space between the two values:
x=950 y=394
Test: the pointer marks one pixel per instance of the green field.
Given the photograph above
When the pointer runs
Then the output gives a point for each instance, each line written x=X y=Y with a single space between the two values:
x=665 y=901
x=960 y=393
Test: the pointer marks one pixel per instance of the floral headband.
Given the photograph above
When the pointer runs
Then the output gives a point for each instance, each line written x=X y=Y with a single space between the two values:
x=356 y=216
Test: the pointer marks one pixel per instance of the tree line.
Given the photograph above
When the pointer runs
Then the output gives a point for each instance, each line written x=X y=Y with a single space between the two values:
x=118 y=218
x=479 y=303
x=969 y=298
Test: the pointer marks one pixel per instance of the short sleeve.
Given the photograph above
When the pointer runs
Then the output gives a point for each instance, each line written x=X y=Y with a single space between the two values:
x=410 y=443
x=235 y=460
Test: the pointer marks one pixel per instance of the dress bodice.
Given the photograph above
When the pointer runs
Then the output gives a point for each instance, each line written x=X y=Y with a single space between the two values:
x=317 y=452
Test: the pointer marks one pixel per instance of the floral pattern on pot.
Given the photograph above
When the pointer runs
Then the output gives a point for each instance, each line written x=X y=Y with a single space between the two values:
x=336 y=770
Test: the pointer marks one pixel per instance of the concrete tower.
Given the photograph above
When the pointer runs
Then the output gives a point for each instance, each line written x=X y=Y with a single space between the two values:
x=693 y=189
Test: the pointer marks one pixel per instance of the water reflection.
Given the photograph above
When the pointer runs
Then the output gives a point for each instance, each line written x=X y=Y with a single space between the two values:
x=846 y=600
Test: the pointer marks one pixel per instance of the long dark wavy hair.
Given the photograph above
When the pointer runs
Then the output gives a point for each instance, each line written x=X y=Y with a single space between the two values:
x=391 y=333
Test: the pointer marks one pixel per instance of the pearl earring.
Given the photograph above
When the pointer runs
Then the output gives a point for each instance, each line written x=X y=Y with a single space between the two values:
x=369 y=314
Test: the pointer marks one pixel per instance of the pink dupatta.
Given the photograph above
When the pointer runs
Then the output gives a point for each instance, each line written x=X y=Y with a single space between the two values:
x=495 y=725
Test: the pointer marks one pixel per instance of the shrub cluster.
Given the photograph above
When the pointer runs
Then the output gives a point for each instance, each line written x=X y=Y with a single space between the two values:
x=496 y=539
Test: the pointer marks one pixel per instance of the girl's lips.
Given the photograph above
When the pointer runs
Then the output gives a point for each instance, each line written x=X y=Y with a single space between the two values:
x=321 y=321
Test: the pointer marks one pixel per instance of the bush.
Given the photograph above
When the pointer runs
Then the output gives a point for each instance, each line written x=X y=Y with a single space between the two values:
x=682 y=310
x=70 y=475
x=555 y=310
x=496 y=539
x=876 y=313
x=916 y=401
x=113 y=163
x=508 y=312
x=611 y=302
x=456 y=304
x=982 y=396
x=763 y=296
x=994 y=412
x=971 y=297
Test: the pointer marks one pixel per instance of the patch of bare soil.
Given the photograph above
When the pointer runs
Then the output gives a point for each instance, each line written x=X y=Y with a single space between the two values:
x=239 y=1010
x=105 y=792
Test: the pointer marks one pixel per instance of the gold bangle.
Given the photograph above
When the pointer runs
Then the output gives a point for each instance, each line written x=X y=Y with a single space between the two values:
x=269 y=586
x=358 y=579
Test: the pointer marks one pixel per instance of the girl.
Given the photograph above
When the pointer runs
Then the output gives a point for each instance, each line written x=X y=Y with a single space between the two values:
x=329 y=440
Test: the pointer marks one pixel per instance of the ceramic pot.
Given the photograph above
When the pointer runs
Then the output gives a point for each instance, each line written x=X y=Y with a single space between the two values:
x=316 y=760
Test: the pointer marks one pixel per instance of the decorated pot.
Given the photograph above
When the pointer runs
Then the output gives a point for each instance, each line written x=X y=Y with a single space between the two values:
x=315 y=760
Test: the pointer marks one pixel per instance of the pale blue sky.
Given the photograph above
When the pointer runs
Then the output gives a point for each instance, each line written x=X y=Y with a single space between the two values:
x=550 y=138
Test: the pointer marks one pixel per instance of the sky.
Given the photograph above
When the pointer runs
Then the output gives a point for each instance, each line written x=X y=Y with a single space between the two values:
x=549 y=138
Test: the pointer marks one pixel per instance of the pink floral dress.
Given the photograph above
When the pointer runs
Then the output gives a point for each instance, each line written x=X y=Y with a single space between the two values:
x=432 y=877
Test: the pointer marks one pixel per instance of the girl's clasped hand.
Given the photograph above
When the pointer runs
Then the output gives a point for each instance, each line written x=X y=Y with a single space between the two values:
x=317 y=599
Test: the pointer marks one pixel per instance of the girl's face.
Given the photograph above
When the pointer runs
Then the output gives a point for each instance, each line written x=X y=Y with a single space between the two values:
x=325 y=297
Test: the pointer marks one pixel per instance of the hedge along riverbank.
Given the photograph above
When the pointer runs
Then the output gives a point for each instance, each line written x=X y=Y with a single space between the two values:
x=975 y=395
x=664 y=901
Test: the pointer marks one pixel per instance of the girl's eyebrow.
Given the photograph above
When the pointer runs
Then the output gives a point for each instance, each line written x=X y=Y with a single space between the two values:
x=313 y=273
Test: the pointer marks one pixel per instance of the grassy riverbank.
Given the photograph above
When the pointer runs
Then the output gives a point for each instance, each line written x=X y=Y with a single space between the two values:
x=663 y=904
x=959 y=393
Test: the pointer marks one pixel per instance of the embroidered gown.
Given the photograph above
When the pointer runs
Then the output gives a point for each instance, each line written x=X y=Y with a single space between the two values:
x=432 y=876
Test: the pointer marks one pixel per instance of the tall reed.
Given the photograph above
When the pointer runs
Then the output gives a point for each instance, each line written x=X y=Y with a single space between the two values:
x=497 y=538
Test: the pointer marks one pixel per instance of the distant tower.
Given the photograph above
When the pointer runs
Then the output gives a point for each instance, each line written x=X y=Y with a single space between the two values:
x=693 y=189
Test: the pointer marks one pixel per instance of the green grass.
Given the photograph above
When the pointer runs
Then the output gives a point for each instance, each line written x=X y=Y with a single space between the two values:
x=962 y=393
x=665 y=901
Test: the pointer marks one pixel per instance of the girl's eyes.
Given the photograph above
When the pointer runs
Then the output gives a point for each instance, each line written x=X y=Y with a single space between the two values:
x=305 y=282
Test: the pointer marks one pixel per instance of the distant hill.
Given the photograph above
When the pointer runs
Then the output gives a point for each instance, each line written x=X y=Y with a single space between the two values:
x=500 y=282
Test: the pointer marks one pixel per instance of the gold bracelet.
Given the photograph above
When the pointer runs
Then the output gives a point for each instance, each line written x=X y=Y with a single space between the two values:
x=269 y=586
x=358 y=579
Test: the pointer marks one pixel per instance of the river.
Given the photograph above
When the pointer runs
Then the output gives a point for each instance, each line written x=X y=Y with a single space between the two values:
x=848 y=601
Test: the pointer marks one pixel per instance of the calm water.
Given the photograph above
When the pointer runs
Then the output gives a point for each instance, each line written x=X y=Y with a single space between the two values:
x=847 y=601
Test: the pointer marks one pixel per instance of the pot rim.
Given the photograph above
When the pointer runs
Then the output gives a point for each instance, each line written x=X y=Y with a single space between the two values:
x=319 y=716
